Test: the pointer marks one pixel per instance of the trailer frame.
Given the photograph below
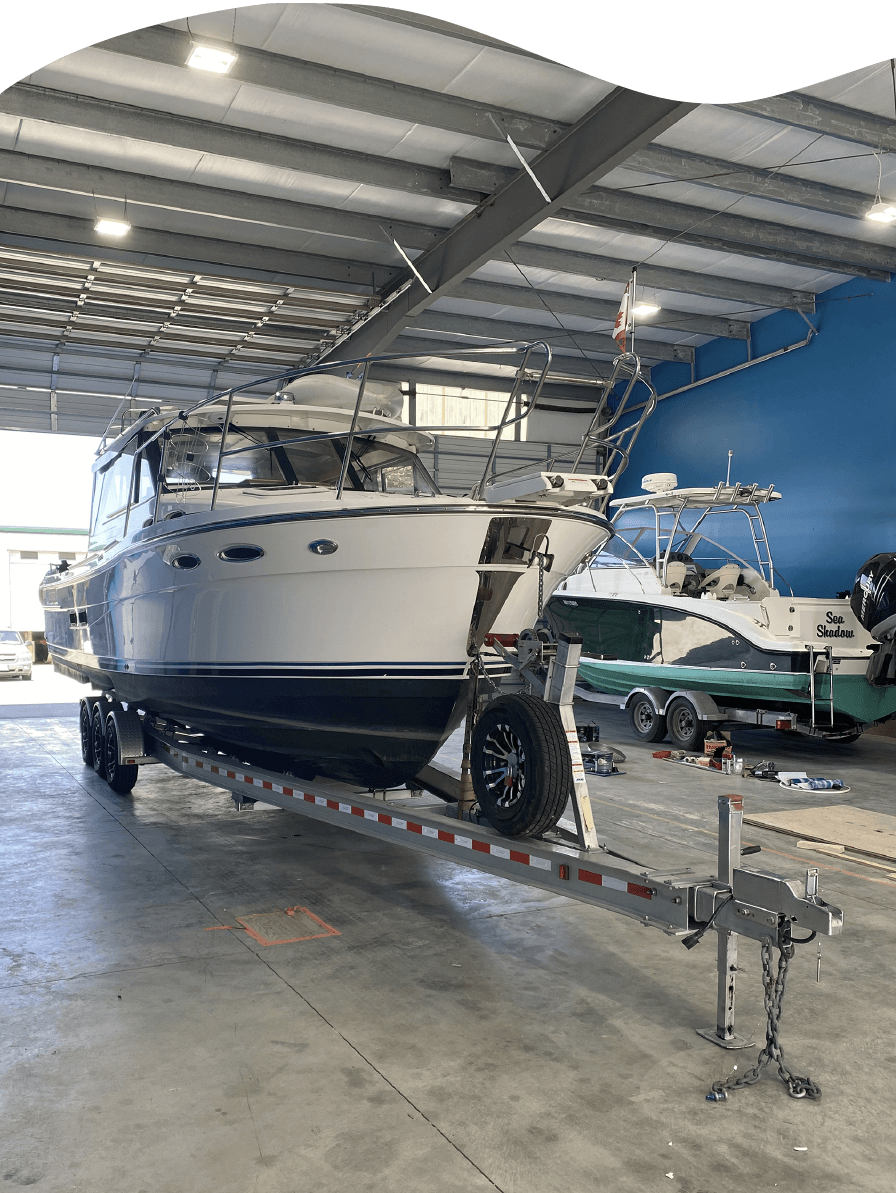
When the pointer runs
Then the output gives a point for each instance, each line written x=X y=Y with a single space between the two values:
x=571 y=860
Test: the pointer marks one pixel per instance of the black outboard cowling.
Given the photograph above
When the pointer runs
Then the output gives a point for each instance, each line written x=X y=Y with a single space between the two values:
x=873 y=601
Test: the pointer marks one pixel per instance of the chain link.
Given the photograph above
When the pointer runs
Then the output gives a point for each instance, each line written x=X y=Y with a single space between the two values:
x=797 y=1087
x=540 y=557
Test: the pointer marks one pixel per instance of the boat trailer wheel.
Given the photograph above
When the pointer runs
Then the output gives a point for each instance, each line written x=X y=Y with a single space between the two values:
x=685 y=727
x=97 y=740
x=521 y=769
x=86 y=731
x=648 y=724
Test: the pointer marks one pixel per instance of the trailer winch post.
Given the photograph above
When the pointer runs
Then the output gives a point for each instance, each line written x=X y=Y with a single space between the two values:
x=559 y=689
x=731 y=819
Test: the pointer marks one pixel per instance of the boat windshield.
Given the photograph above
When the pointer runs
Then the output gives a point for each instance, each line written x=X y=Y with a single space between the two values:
x=617 y=553
x=264 y=457
x=705 y=540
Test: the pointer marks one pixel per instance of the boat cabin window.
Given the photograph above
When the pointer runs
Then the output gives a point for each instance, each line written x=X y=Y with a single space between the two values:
x=111 y=489
x=191 y=460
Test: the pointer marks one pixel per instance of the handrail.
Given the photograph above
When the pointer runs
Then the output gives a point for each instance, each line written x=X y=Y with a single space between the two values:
x=524 y=373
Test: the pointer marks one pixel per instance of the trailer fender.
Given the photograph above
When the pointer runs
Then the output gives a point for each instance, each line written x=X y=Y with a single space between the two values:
x=705 y=706
x=131 y=749
x=658 y=697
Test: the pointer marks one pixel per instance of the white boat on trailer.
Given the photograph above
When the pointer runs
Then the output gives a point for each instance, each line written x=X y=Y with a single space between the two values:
x=284 y=577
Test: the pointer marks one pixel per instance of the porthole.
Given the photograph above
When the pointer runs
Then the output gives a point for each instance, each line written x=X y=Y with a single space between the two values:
x=186 y=563
x=773 y=666
x=240 y=554
x=174 y=514
x=323 y=546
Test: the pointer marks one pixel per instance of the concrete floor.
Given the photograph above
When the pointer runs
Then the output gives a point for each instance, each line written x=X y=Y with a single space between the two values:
x=461 y=1033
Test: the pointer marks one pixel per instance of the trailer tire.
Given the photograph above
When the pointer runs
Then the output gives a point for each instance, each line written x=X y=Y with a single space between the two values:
x=120 y=778
x=520 y=764
x=98 y=740
x=86 y=731
x=685 y=727
x=647 y=723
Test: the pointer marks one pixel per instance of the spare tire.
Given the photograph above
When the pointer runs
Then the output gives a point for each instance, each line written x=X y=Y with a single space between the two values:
x=520 y=765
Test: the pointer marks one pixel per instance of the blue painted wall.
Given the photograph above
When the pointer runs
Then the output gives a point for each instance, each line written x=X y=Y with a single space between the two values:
x=819 y=423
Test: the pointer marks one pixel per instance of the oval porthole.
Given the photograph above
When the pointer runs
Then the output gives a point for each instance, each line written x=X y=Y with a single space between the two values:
x=323 y=546
x=186 y=563
x=240 y=554
x=174 y=514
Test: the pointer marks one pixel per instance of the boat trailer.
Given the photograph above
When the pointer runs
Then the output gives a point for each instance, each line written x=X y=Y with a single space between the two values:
x=736 y=901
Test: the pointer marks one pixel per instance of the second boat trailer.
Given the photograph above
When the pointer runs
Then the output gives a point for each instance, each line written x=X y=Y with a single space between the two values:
x=571 y=860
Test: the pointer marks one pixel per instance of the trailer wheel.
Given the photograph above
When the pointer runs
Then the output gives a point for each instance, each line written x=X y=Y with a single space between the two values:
x=647 y=723
x=521 y=769
x=120 y=778
x=86 y=734
x=685 y=727
x=97 y=740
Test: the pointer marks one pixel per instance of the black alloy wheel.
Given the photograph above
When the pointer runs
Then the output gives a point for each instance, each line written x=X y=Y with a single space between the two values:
x=120 y=778
x=86 y=732
x=685 y=727
x=521 y=768
x=647 y=723
x=98 y=740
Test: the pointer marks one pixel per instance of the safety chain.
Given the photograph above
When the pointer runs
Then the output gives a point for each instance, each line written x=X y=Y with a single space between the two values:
x=797 y=1087
x=540 y=556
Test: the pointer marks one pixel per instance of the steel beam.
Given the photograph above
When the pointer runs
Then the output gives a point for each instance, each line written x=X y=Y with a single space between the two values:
x=205 y=136
x=194 y=253
x=570 y=366
x=219 y=202
x=575 y=389
x=596 y=144
x=749 y=180
x=822 y=116
x=477 y=328
x=226 y=204
x=681 y=281
x=645 y=215
x=561 y=303
x=202 y=136
x=344 y=88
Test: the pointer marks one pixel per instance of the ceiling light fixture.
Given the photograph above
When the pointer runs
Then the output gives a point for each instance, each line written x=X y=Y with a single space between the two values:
x=207 y=58
x=647 y=306
x=883 y=213
x=112 y=227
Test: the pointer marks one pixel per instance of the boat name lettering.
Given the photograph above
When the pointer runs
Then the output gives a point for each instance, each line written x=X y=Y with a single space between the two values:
x=833 y=619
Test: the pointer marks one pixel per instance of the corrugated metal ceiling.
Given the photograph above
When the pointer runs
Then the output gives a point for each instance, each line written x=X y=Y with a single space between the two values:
x=247 y=195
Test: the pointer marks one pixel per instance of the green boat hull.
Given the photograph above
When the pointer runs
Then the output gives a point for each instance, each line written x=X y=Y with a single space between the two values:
x=854 y=697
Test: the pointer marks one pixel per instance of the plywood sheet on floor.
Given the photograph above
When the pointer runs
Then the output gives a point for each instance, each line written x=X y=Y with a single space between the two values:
x=856 y=828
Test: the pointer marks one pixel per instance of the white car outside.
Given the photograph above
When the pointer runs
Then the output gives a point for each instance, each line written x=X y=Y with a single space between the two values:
x=15 y=659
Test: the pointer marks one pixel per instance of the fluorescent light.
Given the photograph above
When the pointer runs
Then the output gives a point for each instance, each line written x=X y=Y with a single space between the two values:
x=645 y=308
x=205 y=58
x=111 y=227
x=884 y=213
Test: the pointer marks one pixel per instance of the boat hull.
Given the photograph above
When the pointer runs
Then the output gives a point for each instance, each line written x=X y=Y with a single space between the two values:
x=353 y=663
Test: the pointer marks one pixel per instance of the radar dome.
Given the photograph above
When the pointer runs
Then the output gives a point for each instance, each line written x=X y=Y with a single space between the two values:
x=659 y=482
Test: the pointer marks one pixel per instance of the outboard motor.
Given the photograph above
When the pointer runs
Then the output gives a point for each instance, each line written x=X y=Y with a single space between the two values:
x=873 y=601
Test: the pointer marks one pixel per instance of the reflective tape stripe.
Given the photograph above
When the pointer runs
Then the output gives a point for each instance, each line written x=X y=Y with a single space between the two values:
x=444 y=835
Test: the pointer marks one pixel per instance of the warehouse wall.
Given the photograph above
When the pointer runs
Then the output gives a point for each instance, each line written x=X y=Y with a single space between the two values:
x=819 y=423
